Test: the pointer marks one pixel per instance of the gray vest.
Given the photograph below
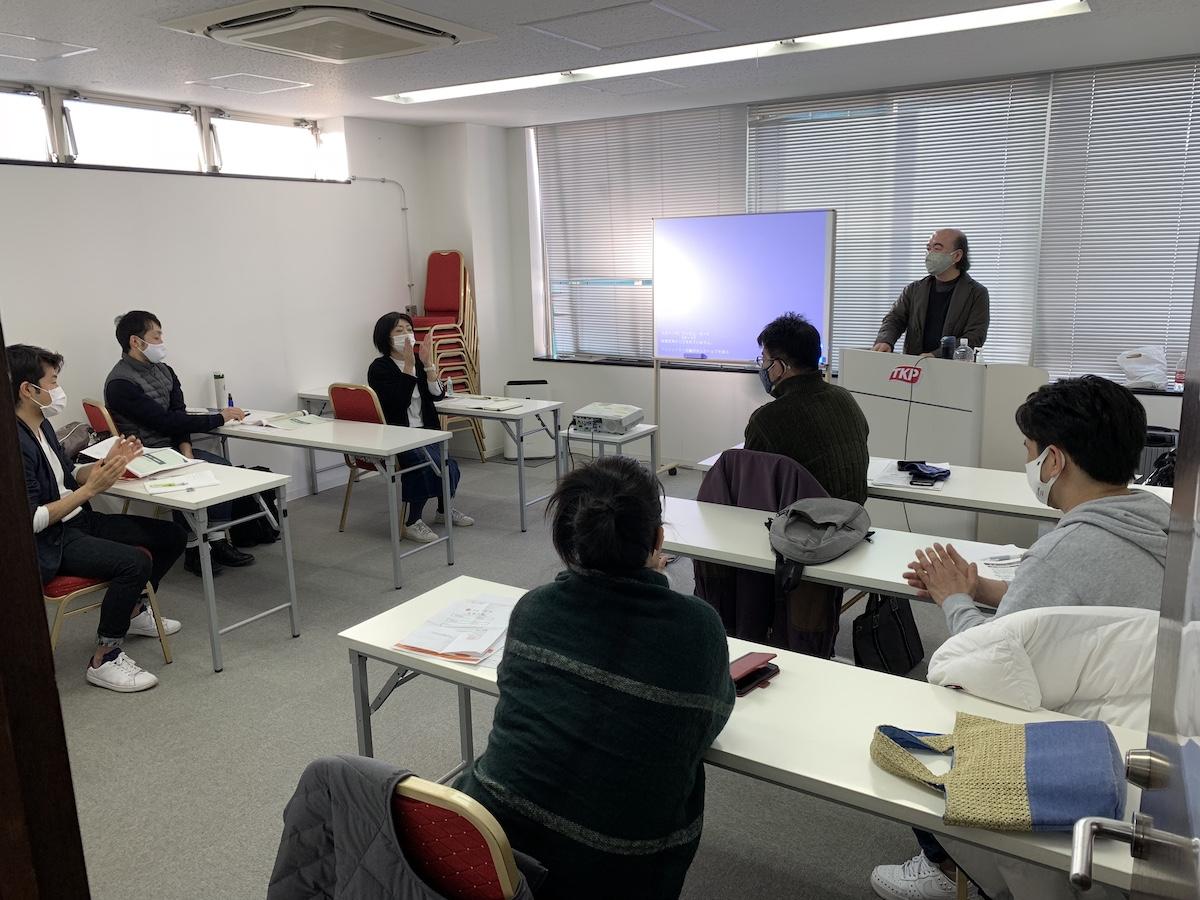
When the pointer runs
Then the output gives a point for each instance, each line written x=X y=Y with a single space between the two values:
x=155 y=380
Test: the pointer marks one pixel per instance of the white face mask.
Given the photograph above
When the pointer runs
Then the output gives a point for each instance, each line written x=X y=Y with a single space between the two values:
x=399 y=340
x=156 y=353
x=1033 y=474
x=58 y=402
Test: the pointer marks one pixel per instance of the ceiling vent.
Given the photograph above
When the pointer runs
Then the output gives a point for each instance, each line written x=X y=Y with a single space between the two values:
x=328 y=32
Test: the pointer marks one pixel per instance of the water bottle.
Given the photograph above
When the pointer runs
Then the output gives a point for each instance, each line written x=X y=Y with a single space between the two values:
x=946 y=348
x=963 y=352
x=1180 y=374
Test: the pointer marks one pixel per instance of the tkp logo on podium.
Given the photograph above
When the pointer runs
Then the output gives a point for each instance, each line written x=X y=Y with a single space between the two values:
x=907 y=374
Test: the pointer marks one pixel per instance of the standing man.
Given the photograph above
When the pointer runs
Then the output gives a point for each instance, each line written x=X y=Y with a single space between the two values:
x=816 y=423
x=146 y=402
x=946 y=302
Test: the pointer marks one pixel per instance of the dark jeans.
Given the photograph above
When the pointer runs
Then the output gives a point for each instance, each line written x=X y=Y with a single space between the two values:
x=417 y=487
x=222 y=512
x=930 y=847
x=106 y=546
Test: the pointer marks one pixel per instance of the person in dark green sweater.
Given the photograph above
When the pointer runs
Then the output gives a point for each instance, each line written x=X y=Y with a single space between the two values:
x=816 y=423
x=612 y=688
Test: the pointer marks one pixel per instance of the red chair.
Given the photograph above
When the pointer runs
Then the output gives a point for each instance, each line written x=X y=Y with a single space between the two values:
x=63 y=590
x=355 y=403
x=452 y=842
x=99 y=417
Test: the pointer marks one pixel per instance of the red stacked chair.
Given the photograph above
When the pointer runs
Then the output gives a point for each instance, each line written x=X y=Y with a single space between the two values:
x=449 y=325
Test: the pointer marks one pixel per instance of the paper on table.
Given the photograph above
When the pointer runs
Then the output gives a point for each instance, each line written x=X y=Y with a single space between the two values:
x=891 y=476
x=467 y=631
x=285 y=422
x=188 y=481
x=994 y=560
x=156 y=461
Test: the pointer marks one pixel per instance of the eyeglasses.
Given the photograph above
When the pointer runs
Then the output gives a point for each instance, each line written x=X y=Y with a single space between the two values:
x=764 y=362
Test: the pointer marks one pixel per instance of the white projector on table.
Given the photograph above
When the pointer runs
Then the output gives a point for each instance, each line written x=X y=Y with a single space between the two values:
x=611 y=418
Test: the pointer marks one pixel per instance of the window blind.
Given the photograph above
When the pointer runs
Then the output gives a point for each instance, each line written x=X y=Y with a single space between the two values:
x=898 y=165
x=1122 y=216
x=602 y=184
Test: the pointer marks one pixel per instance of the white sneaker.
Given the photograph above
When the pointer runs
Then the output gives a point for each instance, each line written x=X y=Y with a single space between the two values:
x=142 y=625
x=420 y=532
x=122 y=674
x=460 y=520
x=917 y=879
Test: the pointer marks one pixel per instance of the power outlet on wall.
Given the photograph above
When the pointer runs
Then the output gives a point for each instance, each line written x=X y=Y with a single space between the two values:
x=411 y=309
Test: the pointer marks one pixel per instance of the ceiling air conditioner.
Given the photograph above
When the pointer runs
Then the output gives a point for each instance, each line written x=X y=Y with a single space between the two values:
x=328 y=32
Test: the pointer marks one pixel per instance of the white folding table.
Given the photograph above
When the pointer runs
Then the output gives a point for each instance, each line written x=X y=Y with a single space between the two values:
x=512 y=420
x=380 y=444
x=973 y=489
x=601 y=440
x=979 y=490
x=809 y=731
x=738 y=537
x=194 y=504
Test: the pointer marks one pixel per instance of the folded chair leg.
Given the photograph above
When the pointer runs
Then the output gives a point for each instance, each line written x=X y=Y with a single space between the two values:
x=346 y=502
x=477 y=431
x=59 y=609
x=158 y=623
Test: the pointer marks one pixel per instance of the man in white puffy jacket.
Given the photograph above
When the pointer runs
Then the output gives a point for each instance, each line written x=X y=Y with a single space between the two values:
x=1083 y=438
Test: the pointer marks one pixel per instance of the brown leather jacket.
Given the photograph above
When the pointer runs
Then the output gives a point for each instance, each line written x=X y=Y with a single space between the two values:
x=967 y=316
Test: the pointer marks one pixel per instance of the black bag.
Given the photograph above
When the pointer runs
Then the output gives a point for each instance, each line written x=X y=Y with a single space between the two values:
x=256 y=531
x=886 y=637
x=1163 y=474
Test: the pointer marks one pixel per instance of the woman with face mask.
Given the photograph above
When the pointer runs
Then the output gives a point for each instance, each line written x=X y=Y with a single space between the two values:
x=407 y=384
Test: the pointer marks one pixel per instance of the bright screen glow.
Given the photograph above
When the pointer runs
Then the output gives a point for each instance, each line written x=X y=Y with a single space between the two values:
x=719 y=279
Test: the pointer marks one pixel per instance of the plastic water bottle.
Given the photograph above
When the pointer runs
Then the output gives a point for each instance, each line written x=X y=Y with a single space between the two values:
x=1180 y=374
x=963 y=352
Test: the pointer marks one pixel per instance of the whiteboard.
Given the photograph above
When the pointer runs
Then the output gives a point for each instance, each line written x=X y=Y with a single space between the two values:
x=719 y=280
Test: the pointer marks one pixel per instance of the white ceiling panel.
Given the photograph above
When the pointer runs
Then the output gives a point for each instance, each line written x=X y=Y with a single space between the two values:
x=136 y=56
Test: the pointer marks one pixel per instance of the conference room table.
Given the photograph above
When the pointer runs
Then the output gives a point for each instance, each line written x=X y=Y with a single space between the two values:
x=995 y=491
x=513 y=422
x=378 y=444
x=738 y=537
x=809 y=731
x=194 y=503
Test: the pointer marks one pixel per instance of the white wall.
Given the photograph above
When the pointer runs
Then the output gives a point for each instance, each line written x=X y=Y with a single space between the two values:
x=276 y=283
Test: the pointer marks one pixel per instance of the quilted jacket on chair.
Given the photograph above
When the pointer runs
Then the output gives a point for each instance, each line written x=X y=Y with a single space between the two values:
x=339 y=841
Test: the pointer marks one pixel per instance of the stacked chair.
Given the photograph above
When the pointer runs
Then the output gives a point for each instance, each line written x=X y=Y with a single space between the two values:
x=449 y=324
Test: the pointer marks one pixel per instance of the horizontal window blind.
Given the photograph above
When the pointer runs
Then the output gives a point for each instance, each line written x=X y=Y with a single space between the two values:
x=900 y=164
x=602 y=184
x=1122 y=216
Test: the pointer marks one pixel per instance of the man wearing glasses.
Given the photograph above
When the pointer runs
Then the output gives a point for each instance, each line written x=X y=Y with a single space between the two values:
x=816 y=423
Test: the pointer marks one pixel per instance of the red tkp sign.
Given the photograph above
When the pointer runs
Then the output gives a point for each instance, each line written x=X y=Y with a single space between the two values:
x=907 y=374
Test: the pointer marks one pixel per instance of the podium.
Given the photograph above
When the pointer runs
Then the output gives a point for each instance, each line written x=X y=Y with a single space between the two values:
x=941 y=410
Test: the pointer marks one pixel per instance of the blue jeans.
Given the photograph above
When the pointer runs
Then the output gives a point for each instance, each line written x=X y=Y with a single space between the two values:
x=930 y=847
x=418 y=486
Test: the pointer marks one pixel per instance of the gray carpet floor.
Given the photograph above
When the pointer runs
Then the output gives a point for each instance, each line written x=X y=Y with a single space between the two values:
x=181 y=789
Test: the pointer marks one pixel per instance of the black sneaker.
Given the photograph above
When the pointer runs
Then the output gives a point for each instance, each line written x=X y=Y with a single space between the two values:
x=229 y=555
x=191 y=562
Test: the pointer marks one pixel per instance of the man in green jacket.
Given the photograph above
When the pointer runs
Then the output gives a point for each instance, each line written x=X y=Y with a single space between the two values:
x=816 y=423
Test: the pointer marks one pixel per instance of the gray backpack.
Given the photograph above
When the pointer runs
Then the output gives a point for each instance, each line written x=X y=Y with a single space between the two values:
x=818 y=529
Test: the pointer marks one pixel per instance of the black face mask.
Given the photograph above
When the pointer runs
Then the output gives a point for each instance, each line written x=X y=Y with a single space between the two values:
x=764 y=376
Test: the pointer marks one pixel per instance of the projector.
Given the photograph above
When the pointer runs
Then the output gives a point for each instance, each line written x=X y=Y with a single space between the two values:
x=611 y=418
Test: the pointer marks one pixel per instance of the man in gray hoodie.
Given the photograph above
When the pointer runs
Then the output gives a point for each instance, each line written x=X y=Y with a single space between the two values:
x=1083 y=438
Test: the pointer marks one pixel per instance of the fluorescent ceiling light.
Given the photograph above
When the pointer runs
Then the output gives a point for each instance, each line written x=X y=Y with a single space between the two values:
x=985 y=18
